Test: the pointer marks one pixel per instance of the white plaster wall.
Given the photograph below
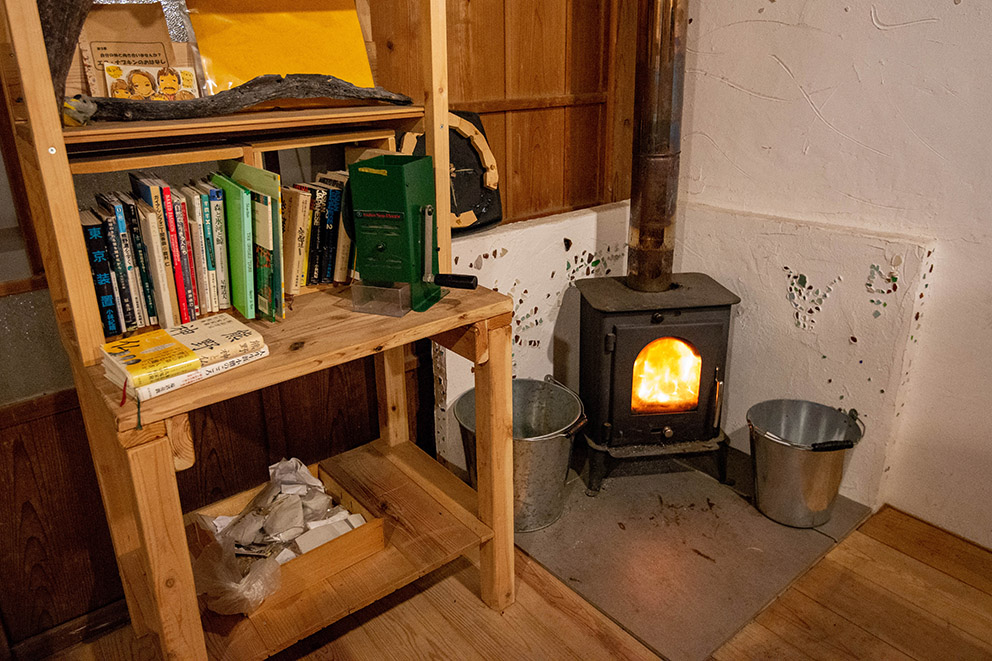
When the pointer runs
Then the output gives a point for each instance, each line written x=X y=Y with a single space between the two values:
x=871 y=115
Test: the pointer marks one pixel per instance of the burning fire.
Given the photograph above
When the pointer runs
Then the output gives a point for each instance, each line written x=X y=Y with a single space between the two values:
x=666 y=377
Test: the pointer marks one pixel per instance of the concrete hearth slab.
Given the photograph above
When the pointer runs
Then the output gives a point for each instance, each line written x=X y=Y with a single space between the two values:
x=678 y=559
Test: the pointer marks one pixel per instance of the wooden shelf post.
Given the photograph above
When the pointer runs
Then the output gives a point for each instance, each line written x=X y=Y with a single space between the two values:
x=494 y=464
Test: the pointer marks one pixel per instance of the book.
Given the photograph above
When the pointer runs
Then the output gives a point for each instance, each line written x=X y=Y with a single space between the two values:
x=146 y=186
x=115 y=252
x=241 y=243
x=343 y=253
x=198 y=249
x=209 y=246
x=142 y=393
x=186 y=253
x=219 y=228
x=140 y=251
x=218 y=337
x=103 y=276
x=160 y=266
x=111 y=203
x=262 y=217
x=319 y=209
x=295 y=219
x=148 y=357
x=268 y=184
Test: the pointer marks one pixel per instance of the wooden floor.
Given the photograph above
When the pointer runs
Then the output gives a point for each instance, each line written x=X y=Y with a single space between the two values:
x=440 y=617
x=897 y=588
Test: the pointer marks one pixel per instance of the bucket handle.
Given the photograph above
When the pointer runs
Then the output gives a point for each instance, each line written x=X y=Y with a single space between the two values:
x=829 y=446
x=580 y=422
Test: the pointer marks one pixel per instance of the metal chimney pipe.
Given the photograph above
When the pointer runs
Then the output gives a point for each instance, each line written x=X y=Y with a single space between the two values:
x=659 y=82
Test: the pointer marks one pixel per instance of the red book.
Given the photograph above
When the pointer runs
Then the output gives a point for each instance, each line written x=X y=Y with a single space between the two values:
x=177 y=266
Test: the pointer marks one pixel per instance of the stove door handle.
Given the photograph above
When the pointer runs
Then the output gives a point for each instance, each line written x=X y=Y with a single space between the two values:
x=717 y=399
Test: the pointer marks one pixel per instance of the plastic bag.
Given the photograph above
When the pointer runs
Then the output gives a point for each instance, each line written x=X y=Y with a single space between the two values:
x=217 y=573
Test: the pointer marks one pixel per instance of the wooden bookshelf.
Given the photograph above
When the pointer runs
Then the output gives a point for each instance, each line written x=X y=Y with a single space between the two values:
x=429 y=517
x=321 y=331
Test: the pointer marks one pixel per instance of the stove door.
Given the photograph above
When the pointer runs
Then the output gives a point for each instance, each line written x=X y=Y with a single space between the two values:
x=664 y=377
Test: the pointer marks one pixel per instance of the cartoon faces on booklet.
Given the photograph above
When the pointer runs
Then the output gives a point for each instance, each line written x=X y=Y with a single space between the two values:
x=140 y=84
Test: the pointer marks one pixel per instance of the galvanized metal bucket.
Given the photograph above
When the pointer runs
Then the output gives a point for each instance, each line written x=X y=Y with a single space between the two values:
x=546 y=416
x=798 y=450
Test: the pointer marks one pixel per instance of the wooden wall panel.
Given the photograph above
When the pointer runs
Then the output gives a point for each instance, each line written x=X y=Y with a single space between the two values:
x=56 y=560
x=585 y=61
x=535 y=155
x=476 y=50
x=583 y=160
x=231 y=451
x=495 y=125
x=395 y=30
x=535 y=47
x=619 y=132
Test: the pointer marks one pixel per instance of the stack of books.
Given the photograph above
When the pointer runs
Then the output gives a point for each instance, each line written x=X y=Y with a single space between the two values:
x=167 y=255
x=154 y=363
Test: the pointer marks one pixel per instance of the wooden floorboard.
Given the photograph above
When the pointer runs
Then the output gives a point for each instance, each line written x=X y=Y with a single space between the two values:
x=440 y=616
x=898 y=588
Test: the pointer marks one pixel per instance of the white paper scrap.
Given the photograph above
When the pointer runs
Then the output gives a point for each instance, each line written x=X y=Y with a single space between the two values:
x=355 y=520
x=285 y=556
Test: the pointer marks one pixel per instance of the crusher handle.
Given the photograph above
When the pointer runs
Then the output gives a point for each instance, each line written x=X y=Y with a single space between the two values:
x=830 y=446
x=456 y=281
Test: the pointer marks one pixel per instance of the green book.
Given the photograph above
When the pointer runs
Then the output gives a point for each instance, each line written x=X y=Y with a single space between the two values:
x=268 y=184
x=240 y=243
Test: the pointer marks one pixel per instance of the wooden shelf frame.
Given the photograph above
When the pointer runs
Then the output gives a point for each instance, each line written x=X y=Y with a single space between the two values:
x=135 y=463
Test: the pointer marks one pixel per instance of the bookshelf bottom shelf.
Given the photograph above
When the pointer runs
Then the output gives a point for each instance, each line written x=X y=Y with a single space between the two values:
x=426 y=521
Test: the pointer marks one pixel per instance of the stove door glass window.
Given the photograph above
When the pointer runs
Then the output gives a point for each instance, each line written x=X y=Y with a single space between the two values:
x=666 y=377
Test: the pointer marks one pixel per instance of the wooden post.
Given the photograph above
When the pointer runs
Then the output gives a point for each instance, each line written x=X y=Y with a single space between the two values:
x=390 y=380
x=494 y=464
x=49 y=182
x=141 y=500
x=435 y=58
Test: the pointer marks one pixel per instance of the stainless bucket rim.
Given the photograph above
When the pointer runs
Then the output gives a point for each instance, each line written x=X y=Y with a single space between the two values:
x=568 y=430
x=852 y=416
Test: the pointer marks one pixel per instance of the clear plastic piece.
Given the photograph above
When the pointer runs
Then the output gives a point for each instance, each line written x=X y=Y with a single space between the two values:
x=391 y=301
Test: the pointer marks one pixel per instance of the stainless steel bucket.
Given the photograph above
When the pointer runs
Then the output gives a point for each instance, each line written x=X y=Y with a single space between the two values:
x=546 y=416
x=798 y=449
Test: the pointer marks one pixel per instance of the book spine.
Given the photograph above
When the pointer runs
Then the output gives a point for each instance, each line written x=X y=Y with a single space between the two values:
x=103 y=279
x=219 y=223
x=344 y=258
x=194 y=220
x=263 y=257
x=167 y=385
x=331 y=223
x=305 y=256
x=185 y=309
x=120 y=273
x=317 y=230
x=159 y=267
x=189 y=285
x=142 y=262
x=133 y=278
x=182 y=221
x=209 y=247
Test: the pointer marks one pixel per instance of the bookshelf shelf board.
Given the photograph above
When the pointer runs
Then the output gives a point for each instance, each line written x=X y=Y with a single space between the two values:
x=421 y=536
x=152 y=159
x=240 y=123
x=319 y=332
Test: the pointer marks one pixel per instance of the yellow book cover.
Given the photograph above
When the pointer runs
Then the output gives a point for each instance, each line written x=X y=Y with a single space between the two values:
x=149 y=357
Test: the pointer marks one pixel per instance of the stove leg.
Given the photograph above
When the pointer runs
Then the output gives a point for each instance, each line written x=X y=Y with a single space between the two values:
x=599 y=466
x=722 y=455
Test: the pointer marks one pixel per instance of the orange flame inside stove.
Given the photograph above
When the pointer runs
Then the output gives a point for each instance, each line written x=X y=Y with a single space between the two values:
x=666 y=377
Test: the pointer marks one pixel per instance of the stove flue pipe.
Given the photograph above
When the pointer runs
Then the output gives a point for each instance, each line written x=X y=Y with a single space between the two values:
x=660 y=78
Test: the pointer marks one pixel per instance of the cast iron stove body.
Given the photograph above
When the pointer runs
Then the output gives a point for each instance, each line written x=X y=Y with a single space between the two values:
x=652 y=369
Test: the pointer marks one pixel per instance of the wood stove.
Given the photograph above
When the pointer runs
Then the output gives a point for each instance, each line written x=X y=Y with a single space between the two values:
x=652 y=369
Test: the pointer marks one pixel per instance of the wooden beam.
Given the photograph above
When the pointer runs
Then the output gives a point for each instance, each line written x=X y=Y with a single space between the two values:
x=50 y=188
x=470 y=342
x=153 y=159
x=24 y=286
x=494 y=461
x=435 y=58
x=323 y=139
x=390 y=380
x=531 y=102
x=181 y=440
